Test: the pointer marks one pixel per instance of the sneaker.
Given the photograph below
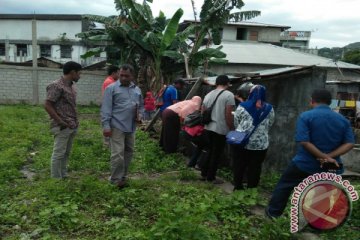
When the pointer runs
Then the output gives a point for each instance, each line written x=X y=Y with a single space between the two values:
x=268 y=215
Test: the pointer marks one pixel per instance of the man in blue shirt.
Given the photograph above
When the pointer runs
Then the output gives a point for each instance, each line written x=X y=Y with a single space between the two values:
x=323 y=136
x=171 y=94
x=122 y=106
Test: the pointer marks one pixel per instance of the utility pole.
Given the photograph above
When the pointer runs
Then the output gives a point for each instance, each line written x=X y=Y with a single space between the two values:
x=7 y=49
x=35 y=79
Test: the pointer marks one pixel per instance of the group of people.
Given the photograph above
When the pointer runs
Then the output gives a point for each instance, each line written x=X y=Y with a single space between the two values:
x=322 y=134
x=224 y=118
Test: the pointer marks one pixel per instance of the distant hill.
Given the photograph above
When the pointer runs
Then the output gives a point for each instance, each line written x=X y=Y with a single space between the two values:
x=338 y=53
x=353 y=46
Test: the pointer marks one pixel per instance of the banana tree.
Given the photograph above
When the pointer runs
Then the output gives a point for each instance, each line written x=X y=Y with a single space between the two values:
x=213 y=16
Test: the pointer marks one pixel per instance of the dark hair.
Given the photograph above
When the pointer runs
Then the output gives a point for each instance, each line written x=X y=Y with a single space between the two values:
x=222 y=80
x=127 y=67
x=180 y=82
x=111 y=69
x=69 y=66
x=321 y=96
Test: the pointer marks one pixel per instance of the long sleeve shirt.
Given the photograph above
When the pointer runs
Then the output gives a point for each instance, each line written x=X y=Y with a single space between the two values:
x=120 y=107
x=243 y=121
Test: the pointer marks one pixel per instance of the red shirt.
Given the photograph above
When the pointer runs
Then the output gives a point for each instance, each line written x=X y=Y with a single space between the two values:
x=109 y=80
x=149 y=102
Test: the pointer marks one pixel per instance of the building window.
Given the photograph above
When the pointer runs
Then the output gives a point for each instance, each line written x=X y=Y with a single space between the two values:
x=65 y=51
x=2 y=49
x=21 y=49
x=45 y=50
x=241 y=34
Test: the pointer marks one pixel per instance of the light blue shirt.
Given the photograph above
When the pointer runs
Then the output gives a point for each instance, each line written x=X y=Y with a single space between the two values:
x=120 y=106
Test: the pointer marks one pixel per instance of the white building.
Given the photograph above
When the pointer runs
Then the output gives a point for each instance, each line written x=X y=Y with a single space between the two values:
x=253 y=47
x=56 y=38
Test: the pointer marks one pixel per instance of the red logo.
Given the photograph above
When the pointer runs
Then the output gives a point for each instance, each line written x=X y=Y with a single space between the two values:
x=325 y=206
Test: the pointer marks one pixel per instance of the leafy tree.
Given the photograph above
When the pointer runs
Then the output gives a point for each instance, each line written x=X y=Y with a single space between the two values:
x=141 y=39
x=352 y=56
x=333 y=53
x=213 y=16
x=154 y=43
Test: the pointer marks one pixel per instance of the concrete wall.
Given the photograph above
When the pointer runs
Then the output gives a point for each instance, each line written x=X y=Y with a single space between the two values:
x=290 y=97
x=269 y=35
x=17 y=85
x=77 y=50
x=50 y=32
x=264 y=34
x=46 y=29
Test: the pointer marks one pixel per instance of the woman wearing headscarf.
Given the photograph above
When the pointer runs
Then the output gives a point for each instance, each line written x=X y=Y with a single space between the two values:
x=254 y=111
x=172 y=116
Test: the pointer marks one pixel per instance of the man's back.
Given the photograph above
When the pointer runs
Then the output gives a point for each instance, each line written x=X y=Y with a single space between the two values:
x=226 y=98
x=170 y=95
x=326 y=129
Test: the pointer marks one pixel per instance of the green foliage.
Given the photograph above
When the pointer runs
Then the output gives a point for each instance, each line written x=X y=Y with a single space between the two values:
x=333 y=53
x=352 y=56
x=164 y=200
x=213 y=16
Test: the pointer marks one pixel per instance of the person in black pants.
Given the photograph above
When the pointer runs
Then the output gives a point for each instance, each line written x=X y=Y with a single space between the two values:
x=254 y=112
x=223 y=103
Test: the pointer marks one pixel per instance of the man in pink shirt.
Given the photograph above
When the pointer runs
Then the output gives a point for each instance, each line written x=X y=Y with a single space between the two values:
x=113 y=76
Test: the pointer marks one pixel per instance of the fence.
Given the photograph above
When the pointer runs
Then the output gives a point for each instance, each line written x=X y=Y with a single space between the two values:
x=28 y=85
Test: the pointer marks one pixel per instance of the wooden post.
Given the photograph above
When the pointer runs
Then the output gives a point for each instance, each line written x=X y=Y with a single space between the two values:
x=186 y=65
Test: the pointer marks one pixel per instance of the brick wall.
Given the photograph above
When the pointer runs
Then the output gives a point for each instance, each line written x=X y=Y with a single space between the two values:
x=17 y=85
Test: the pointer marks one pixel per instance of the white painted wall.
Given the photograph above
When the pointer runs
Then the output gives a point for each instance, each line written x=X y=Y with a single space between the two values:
x=269 y=35
x=264 y=34
x=46 y=29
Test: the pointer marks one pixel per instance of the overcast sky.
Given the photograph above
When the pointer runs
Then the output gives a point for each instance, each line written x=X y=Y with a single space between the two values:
x=334 y=23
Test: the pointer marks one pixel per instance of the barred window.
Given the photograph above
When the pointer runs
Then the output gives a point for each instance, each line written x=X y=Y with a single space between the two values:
x=65 y=51
x=2 y=49
x=45 y=50
x=21 y=48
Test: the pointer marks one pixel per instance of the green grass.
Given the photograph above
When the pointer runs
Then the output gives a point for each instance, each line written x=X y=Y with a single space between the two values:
x=164 y=199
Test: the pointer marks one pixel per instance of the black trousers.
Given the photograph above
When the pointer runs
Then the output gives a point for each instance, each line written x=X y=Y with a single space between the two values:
x=249 y=161
x=169 y=137
x=215 y=148
x=291 y=177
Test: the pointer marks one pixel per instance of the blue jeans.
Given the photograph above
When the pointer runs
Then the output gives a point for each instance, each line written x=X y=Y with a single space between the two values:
x=291 y=177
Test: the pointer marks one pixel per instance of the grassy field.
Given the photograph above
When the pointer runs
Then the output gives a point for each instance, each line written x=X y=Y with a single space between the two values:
x=164 y=199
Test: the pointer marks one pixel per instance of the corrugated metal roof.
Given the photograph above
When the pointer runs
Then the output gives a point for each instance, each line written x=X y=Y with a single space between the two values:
x=275 y=71
x=260 y=73
x=260 y=53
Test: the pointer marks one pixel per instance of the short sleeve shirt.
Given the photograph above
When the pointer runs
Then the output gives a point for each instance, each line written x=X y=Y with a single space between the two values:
x=218 y=123
x=63 y=95
x=169 y=96
x=324 y=128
